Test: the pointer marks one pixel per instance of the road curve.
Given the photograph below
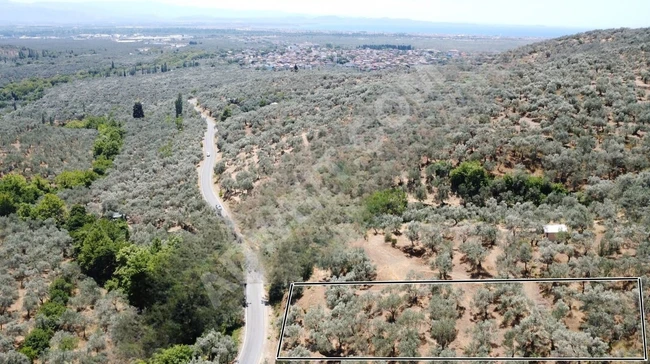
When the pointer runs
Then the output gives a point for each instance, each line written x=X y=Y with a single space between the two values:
x=256 y=311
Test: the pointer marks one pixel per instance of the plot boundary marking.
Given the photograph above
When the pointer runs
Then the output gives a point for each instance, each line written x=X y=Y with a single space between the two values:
x=467 y=281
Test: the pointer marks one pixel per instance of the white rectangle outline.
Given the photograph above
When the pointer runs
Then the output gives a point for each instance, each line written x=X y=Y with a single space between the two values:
x=460 y=281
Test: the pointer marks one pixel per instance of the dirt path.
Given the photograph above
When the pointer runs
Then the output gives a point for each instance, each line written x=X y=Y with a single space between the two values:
x=531 y=289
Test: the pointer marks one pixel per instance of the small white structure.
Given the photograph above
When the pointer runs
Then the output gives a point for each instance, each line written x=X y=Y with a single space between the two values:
x=551 y=230
x=118 y=216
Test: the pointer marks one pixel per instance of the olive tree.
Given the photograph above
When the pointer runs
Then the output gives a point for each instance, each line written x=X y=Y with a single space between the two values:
x=475 y=253
x=215 y=347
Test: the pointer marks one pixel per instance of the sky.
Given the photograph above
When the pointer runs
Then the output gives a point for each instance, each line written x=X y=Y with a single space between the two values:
x=591 y=14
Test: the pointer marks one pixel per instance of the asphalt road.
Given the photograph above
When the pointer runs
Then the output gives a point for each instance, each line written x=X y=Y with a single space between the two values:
x=256 y=314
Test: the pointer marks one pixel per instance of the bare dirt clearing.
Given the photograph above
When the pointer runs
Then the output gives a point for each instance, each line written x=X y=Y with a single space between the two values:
x=392 y=264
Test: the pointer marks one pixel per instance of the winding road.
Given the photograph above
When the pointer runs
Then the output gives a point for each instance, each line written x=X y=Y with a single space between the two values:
x=256 y=311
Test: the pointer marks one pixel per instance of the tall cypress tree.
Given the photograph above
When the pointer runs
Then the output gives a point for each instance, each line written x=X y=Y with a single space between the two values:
x=138 y=112
x=179 y=105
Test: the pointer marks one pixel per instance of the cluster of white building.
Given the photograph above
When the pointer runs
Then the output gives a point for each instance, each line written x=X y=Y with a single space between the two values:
x=308 y=55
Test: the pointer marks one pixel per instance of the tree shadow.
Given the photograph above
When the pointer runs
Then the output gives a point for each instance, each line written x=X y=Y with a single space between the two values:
x=480 y=318
x=461 y=311
x=480 y=273
x=477 y=272
x=414 y=251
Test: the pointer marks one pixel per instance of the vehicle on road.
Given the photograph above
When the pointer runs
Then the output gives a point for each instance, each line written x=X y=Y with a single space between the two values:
x=207 y=154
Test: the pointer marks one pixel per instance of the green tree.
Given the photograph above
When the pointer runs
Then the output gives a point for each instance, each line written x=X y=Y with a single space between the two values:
x=70 y=179
x=475 y=253
x=431 y=238
x=138 y=111
x=60 y=291
x=533 y=336
x=37 y=341
x=413 y=232
x=442 y=192
x=391 y=303
x=178 y=104
x=134 y=274
x=78 y=217
x=481 y=302
x=101 y=164
x=97 y=245
x=391 y=201
x=525 y=255
x=443 y=331
x=138 y=273
x=7 y=204
x=177 y=354
x=577 y=344
x=16 y=187
x=185 y=311
x=109 y=141
x=215 y=347
x=29 y=352
x=226 y=114
x=50 y=207
x=443 y=263
x=468 y=178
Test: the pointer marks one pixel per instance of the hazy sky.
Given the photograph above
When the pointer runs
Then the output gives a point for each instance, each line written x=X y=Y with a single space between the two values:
x=561 y=13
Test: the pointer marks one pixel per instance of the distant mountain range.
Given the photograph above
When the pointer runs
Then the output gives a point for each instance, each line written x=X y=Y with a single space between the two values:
x=148 y=13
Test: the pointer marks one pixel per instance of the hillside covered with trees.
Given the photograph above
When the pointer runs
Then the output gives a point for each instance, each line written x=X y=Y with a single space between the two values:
x=451 y=170
x=107 y=247
x=484 y=155
x=421 y=320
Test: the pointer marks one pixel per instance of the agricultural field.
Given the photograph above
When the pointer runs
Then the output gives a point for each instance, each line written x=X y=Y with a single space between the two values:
x=504 y=319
